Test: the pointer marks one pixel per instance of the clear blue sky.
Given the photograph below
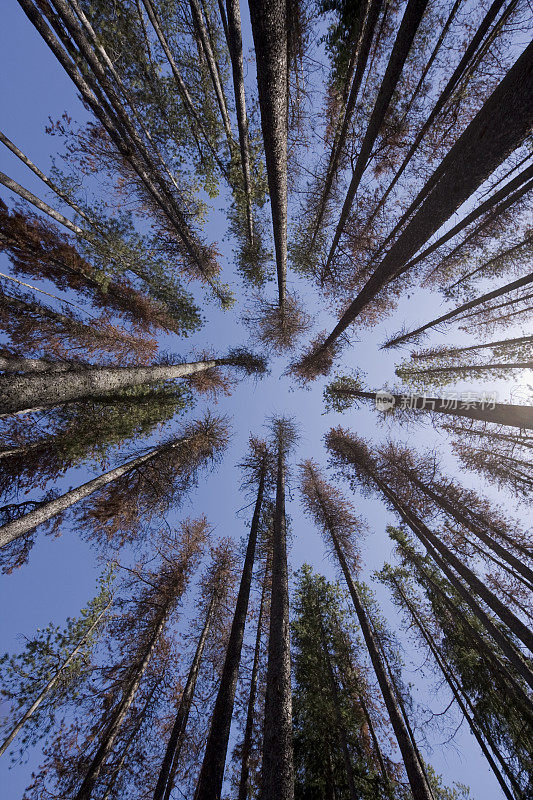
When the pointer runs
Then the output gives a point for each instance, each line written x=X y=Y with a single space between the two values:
x=61 y=574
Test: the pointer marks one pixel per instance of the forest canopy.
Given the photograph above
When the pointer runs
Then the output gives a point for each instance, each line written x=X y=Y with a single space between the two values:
x=266 y=400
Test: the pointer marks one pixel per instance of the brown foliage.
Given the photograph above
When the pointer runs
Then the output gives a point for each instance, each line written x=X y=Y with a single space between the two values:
x=278 y=327
x=126 y=507
x=37 y=248
x=37 y=330
x=317 y=360
x=331 y=512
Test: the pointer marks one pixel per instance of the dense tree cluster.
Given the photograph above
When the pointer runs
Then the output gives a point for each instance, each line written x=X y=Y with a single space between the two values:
x=367 y=153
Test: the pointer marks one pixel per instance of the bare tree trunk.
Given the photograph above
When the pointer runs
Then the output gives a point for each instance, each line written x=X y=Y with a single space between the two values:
x=462 y=370
x=250 y=711
x=51 y=683
x=40 y=174
x=477 y=301
x=111 y=732
x=26 y=523
x=467 y=712
x=199 y=24
x=169 y=765
x=269 y=29
x=521 y=570
x=234 y=38
x=443 y=557
x=209 y=786
x=18 y=392
x=488 y=212
x=277 y=776
x=500 y=414
x=362 y=48
x=445 y=95
x=15 y=187
x=499 y=127
x=453 y=351
x=415 y=774
x=401 y=704
x=409 y=25
x=8 y=364
x=131 y=738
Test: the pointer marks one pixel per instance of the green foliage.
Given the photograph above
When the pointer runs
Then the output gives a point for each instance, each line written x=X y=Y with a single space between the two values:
x=498 y=710
x=93 y=429
x=321 y=620
x=26 y=674
x=341 y=33
x=335 y=398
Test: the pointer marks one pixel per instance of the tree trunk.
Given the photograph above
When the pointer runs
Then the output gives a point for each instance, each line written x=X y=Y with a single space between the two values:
x=45 y=179
x=277 y=776
x=477 y=529
x=23 y=525
x=119 y=128
x=211 y=776
x=453 y=351
x=120 y=85
x=511 y=193
x=234 y=39
x=401 y=704
x=411 y=19
x=169 y=765
x=379 y=755
x=456 y=692
x=15 y=187
x=269 y=29
x=362 y=47
x=477 y=301
x=498 y=128
x=250 y=711
x=18 y=392
x=415 y=774
x=108 y=739
x=445 y=95
x=131 y=738
x=184 y=92
x=51 y=683
x=443 y=557
x=528 y=240
x=199 y=24
x=484 y=650
x=14 y=364
x=462 y=370
x=501 y=414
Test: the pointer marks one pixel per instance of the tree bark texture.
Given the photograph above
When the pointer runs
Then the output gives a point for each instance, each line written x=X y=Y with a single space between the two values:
x=277 y=775
x=269 y=29
x=18 y=392
x=409 y=25
x=499 y=128
x=415 y=774
x=500 y=414
x=170 y=763
x=209 y=785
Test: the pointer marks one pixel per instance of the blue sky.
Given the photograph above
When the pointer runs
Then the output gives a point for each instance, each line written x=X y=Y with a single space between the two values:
x=61 y=574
